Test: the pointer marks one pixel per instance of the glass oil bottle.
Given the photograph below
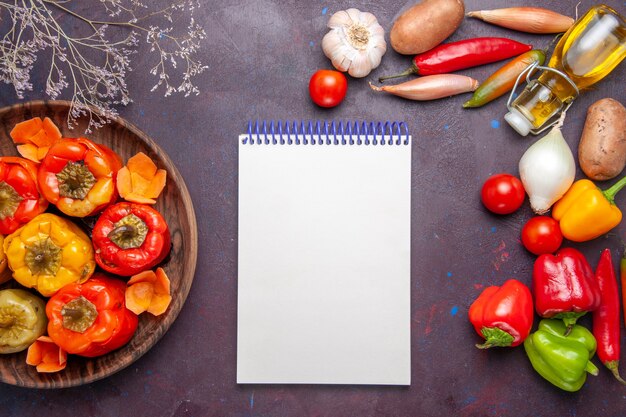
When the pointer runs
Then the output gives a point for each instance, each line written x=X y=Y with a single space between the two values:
x=586 y=53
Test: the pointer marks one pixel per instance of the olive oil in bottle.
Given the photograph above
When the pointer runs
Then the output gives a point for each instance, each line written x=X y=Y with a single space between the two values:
x=588 y=52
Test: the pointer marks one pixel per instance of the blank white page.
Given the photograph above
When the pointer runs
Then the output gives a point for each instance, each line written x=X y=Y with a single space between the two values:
x=324 y=264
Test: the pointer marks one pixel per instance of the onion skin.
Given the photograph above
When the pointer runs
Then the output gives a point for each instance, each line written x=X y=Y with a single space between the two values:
x=431 y=87
x=547 y=170
x=526 y=19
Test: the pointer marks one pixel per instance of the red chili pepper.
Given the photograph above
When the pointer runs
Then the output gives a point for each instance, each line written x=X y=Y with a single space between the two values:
x=129 y=238
x=622 y=268
x=606 y=316
x=564 y=286
x=503 y=315
x=463 y=54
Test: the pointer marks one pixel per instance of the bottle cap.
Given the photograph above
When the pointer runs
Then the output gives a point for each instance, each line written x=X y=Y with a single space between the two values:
x=518 y=122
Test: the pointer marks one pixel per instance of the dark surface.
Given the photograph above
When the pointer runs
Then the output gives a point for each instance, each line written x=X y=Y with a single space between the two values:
x=261 y=55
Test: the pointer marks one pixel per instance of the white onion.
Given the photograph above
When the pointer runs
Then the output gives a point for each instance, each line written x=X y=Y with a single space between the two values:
x=547 y=170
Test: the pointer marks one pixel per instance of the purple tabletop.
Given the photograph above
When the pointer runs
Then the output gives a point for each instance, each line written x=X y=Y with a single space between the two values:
x=260 y=55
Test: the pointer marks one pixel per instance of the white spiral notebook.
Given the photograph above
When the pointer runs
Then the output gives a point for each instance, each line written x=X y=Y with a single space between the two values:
x=324 y=253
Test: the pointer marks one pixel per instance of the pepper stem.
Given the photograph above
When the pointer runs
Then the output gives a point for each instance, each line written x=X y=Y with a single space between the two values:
x=613 y=367
x=124 y=231
x=569 y=319
x=79 y=314
x=6 y=322
x=495 y=337
x=592 y=369
x=129 y=232
x=43 y=257
x=411 y=70
x=75 y=180
x=9 y=200
x=615 y=188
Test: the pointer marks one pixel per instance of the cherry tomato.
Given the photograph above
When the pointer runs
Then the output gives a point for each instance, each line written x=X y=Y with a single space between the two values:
x=327 y=88
x=542 y=234
x=503 y=193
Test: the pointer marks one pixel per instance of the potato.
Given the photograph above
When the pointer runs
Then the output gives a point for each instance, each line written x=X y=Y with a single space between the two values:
x=425 y=25
x=602 y=147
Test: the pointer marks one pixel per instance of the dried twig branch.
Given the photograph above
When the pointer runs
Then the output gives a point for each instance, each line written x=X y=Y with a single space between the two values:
x=93 y=68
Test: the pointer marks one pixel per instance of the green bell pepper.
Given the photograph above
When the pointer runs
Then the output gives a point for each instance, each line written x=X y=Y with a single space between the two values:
x=563 y=360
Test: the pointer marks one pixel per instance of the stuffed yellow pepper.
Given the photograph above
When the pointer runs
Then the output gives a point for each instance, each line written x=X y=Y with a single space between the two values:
x=48 y=253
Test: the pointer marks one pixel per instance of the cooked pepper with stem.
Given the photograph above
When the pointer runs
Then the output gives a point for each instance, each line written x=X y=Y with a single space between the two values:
x=564 y=286
x=463 y=54
x=503 y=80
x=22 y=319
x=20 y=199
x=586 y=212
x=91 y=319
x=503 y=316
x=129 y=238
x=48 y=253
x=606 y=316
x=562 y=360
x=78 y=176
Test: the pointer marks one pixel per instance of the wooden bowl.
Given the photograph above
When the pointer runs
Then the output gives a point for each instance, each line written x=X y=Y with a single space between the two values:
x=175 y=205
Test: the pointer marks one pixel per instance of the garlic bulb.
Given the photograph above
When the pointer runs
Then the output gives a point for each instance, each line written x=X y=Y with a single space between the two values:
x=547 y=170
x=355 y=43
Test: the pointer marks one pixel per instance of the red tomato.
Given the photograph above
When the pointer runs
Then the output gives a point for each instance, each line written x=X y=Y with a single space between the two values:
x=503 y=193
x=542 y=234
x=328 y=88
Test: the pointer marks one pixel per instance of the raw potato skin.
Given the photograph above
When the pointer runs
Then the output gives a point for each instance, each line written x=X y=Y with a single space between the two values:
x=602 y=147
x=425 y=25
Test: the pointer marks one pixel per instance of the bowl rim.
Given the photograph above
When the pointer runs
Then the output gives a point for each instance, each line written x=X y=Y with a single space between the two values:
x=189 y=264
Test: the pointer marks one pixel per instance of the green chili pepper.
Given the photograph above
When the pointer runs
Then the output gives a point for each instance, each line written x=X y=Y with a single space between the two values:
x=562 y=360
x=503 y=80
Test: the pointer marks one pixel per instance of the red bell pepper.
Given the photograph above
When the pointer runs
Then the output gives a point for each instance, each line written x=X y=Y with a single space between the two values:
x=606 y=316
x=503 y=316
x=91 y=319
x=129 y=238
x=78 y=176
x=454 y=56
x=20 y=200
x=564 y=286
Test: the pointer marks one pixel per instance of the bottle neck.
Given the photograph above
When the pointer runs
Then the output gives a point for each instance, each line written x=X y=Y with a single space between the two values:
x=544 y=98
x=559 y=86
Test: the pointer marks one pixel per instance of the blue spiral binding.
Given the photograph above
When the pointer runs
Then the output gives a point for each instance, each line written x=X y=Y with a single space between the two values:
x=326 y=133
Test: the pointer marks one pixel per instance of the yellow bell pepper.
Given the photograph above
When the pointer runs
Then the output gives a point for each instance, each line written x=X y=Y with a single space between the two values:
x=48 y=253
x=586 y=212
